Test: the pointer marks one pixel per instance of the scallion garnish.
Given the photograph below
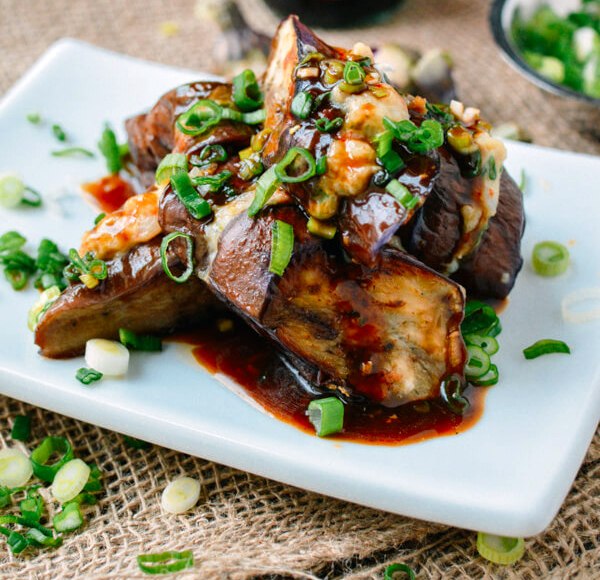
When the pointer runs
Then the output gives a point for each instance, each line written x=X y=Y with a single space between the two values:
x=326 y=416
x=246 y=92
x=99 y=218
x=302 y=105
x=254 y=118
x=500 y=549
x=135 y=443
x=34 y=118
x=180 y=495
x=393 y=571
x=294 y=157
x=545 y=346
x=321 y=167
x=87 y=269
x=42 y=453
x=170 y=165
x=492 y=171
x=326 y=125
x=165 y=562
x=12 y=190
x=321 y=229
x=199 y=117
x=265 y=187
x=32 y=507
x=21 y=430
x=50 y=263
x=195 y=204
x=210 y=154
x=164 y=247
x=488 y=343
x=70 y=480
x=282 y=246
x=427 y=137
x=481 y=319
x=142 y=342
x=69 y=519
x=550 y=258
x=72 y=152
x=478 y=362
x=15 y=468
x=213 y=183
x=109 y=148
x=402 y=194
x=451 y=391
x=59 y=132
x=88 y=376
x=488 y=379
x=390 y=159
x=353 y=73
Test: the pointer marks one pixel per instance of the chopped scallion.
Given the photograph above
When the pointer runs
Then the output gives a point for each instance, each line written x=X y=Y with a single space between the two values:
x=550 y=258
x=246 y=92
x=170 y=165
x=326 y=125
x=500 y=549
x=326 y=415
x=59 y=132
x=69 y=519
x=34 y=118
x=210 y=154
x=282 y=246
x=15 y=468
x=42 y=453
x=195 y=204
x=353 y=73
x=402 y=194
x=135 y=443
x=99 y=218
x=302 y=104
x=164 y=247
x=165 y=562
x=265 y=188
x=294 y=157
x=142 y=342
x=21 y=430
x=321 y=229
x=72 y=152
x=545 y=346
x=88 y=376
x=398 y=572
x=109 y=148
x=199 y=117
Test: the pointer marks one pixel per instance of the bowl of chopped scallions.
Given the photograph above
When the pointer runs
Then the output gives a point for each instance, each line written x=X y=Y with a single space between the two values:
x=553 y=43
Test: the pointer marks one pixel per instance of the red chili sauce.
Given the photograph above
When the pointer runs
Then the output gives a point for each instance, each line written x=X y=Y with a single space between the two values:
x=256 y=365
x=109 y=192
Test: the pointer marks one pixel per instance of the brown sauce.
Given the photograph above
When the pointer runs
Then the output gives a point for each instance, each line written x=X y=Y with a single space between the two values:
x=253 y=363
x=109 y=192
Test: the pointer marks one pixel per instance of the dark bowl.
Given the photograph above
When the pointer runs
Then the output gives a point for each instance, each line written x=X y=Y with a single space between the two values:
x=501 y=16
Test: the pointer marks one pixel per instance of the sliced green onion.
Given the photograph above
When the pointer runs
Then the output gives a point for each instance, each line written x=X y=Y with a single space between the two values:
x=109 y=148
x=17 y=542
x=326 y=416
x=321 y=167
x=135 y=443
x=72 y=152
x=326 y=125
x=428 y=136
x=85 y=498
x=5 y=496
x=254 y=118
x=50 y=263
x=15 y=468
x=142 y=342
x=321 y=229
x=302 y=104
x=488 y=343
x=70 y=480
x=195 y=204
x=480 y=318
x=214 y=182
x=492 y=171
x=291 y=158
x=69 y=519
x=246 y=92
x=500 y=549
x=42 y=453
x=282 y=246
x=88 y=376
x=180 y=495
x=165 y=562
x=546 y=346
x=32 y=507
x=170 y=165
x=32 y=197
x=353 y=73
x=37 y=538
x=265 y=188
x=478 y=362
x=199 y=117
x=12 y=190
x=99 y=218
x=461 y=140
x=41 y=306
x=85 y=268
x=21 y=430
x=488 y=379
x=250 y=167
x=93 y=483
x=398 y=571
x=34 y=118
x=164 y=246
x=59 y=132
x=210 y=154
x=451 y=391
x=402 y=195
x=11 y=242
x=550 y=258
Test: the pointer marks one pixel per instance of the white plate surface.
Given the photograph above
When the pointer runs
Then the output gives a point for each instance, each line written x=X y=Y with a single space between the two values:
x=507 y=475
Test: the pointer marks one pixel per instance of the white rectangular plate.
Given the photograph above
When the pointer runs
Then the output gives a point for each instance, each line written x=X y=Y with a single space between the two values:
x=507 y=475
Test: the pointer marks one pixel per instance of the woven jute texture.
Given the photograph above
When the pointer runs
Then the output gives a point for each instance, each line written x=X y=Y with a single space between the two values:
x=246 y=526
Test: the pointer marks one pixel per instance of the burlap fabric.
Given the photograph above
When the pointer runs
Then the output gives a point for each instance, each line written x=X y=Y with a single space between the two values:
x=246 y=526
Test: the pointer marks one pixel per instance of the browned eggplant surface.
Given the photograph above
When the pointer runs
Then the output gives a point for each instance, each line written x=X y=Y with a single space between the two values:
x=136 y=295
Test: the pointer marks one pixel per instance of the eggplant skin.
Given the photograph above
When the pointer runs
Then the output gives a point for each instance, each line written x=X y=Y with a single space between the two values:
x=491 y=270
x=136 y=295
x=390 y=333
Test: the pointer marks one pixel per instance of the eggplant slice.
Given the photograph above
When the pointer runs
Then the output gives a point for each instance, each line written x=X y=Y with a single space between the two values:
x=136 y=295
